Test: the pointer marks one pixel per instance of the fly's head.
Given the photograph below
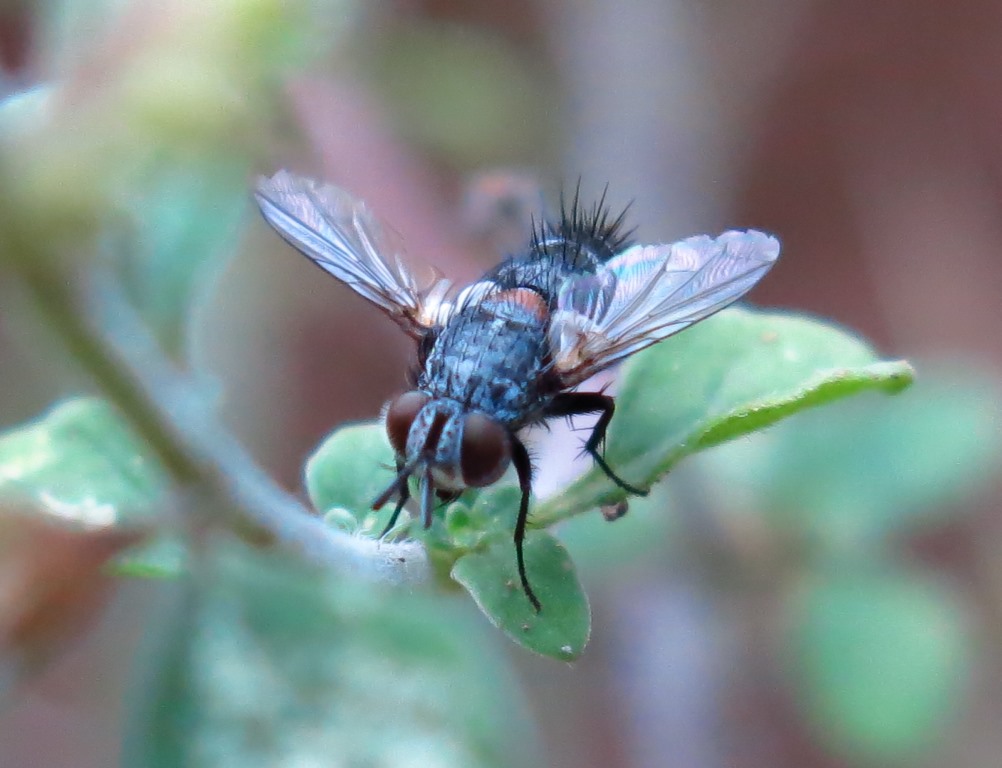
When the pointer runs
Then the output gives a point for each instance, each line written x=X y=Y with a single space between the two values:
x=446 y=446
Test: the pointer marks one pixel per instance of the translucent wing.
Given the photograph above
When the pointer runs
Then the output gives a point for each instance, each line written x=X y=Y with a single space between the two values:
x=339 y=234
x=649 y=292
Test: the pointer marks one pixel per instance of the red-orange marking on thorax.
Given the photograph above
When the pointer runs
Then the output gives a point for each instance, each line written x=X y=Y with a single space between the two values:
x=525 y=298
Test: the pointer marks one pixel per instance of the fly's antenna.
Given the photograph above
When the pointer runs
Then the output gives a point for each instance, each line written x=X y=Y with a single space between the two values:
x=427 y=491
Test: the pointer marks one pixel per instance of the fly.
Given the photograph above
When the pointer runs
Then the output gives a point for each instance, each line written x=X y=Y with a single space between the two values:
x=509 y=350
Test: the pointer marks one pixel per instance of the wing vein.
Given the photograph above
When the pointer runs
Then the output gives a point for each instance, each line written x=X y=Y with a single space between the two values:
x=658 y=291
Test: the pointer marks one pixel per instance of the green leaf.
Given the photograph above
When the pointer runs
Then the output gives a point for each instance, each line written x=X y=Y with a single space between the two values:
x=881 y=660
x=496 y=507
x=185 y=218
x=269 y=663
x=80 y=462
x=490 y=575
x=354 y=464
x=737 y=372
x=858 y=471
x=82 y=465
x=163 y=557
x=349 y=469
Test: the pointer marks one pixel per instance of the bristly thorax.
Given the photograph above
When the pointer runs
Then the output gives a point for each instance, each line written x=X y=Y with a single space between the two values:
x=577 y=242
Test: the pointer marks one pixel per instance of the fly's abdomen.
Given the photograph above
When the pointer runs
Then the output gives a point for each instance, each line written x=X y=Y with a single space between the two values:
x=491 y=357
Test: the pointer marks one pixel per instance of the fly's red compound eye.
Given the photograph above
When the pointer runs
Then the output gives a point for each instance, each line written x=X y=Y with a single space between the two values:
x=399 y=417
x=486 y=450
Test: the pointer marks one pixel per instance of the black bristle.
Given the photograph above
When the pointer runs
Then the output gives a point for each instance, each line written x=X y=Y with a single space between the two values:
x=600 y=213
x=537 y=232
x=578 y=240
x=593 y=229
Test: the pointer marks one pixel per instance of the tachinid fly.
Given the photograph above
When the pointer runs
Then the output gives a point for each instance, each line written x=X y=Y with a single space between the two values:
x=507 y=351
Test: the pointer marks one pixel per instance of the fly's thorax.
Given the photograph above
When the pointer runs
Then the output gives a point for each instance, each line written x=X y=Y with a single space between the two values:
x=458 y=448
x=491 y=356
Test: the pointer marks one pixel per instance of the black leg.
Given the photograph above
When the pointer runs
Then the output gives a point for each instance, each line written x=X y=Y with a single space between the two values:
x=520 y=458
x=580 y=403
x=405 y=494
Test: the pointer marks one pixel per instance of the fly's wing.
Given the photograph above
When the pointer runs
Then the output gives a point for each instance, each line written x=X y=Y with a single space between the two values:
x=647 y=293
x=339 y=235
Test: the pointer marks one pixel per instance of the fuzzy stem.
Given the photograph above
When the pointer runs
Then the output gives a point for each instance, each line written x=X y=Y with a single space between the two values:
x=110 y=341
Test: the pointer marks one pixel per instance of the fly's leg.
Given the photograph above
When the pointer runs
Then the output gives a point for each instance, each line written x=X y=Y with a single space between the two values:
x=405 y=495
x=581 y=403
x=523 y=467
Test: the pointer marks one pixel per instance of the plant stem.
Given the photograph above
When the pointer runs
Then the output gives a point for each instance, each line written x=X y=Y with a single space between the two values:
x=107 y=337
x=58 y=306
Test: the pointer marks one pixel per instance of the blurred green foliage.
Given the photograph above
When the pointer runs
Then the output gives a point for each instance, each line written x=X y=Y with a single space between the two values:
x=80 y=462
x=137 y=153
x=184 y=221
x=881 y=659
x=880 y=652
x=269 y=663
x=884 y=466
